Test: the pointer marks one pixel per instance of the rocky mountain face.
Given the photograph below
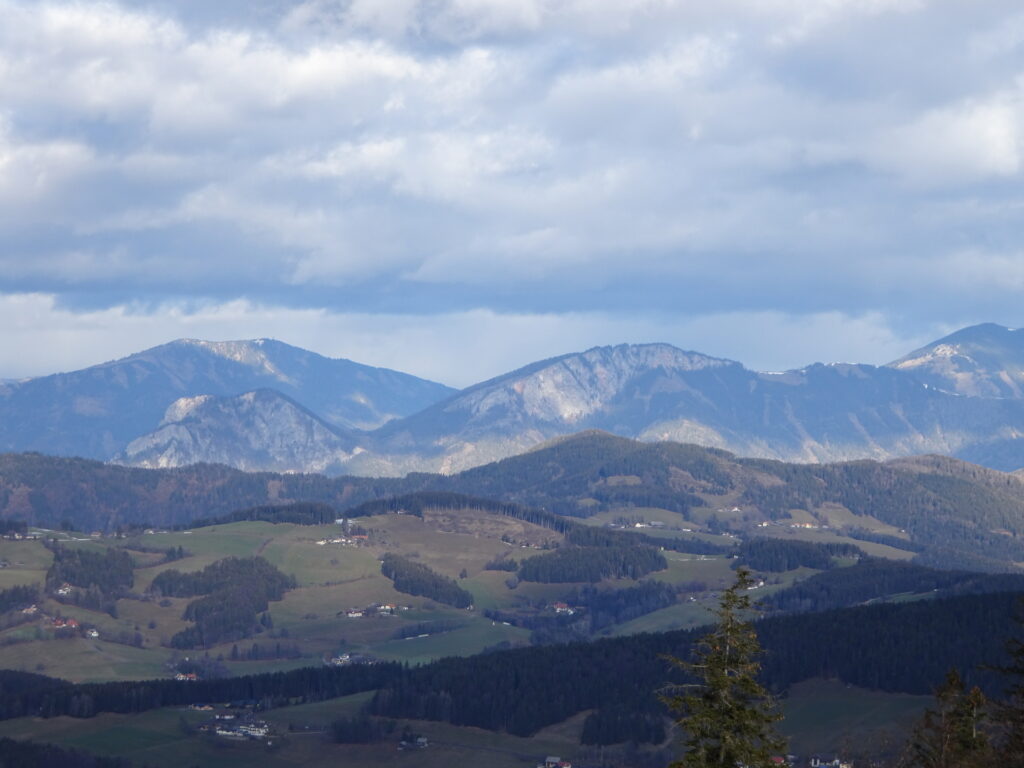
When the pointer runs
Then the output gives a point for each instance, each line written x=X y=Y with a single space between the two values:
x=97 y=411
x=981 y=361
x=599 y=388
x=656 y=392
x=254 y=431
x=961 y=396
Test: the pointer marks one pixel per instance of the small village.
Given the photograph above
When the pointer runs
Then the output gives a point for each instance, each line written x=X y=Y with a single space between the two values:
x=377 y=609
x=62 y=626
x=238 y=726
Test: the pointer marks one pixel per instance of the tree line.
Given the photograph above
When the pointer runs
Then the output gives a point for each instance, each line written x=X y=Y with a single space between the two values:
x=591 y=564
x=875 y=578
x=111 y=570
x=232 y=592
x=420 y=580
x=297 y=513
x=777 y=555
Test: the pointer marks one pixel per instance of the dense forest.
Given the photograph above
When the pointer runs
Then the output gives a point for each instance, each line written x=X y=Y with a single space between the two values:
x=10 y=528
x=417 y=579
x=894 y=647
x=777 y=555
x=297 y=513
x=110 y=570
x=234 y=590
x=359 y=729
x=876 y=578
x=573 y=564
x=254 y=573
x=23 y=693
x=18 y=597
x=606 y=607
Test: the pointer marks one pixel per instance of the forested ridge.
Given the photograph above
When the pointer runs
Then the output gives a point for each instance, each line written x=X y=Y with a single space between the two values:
x=945 y=506
x=876 y=578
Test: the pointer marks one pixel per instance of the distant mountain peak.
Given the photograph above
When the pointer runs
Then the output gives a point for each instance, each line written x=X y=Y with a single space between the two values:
x=655 y=354
x=258 y=430
x=96 y=412
x=249 y=352
x=985 y=360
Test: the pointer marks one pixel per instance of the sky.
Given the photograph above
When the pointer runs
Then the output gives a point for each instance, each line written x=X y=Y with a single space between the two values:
x=455 y=188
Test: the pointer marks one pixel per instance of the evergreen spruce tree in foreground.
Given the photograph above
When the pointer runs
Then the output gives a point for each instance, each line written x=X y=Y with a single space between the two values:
x=1008 y=715
x=727 y=716
x=952 y=734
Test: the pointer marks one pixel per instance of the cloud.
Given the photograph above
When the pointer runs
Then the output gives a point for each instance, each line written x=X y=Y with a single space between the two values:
x=539 y=158
x=965 y=142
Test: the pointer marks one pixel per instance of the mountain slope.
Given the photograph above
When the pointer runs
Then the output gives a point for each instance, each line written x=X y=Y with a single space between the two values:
x=980 y=361
x=256 y=431
x=514 y=412
x=952 y=513
x=97 y=411
x=957 y=396
x=657 y=392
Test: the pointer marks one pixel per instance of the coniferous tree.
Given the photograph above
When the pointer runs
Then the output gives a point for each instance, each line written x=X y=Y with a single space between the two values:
x=728 y=716
x=951 y=735
x=1009 y=711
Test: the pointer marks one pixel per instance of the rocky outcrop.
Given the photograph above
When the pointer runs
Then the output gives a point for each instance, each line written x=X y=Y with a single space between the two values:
x=255 y=431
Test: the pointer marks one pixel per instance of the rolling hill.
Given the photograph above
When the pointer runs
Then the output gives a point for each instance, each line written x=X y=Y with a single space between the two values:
x=942 y=510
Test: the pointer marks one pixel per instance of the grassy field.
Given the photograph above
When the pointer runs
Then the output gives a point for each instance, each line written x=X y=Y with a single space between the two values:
x=26 y=563
x=825 y=715
x=83 y=660
x=159 y=739
x=470 y=639
x=333 y=579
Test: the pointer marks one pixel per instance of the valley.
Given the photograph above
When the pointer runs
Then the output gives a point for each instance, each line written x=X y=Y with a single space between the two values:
x=208 y=575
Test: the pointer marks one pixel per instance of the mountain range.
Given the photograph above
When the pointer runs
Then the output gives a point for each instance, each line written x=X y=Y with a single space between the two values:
x=265 y=405
x=98 y=411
